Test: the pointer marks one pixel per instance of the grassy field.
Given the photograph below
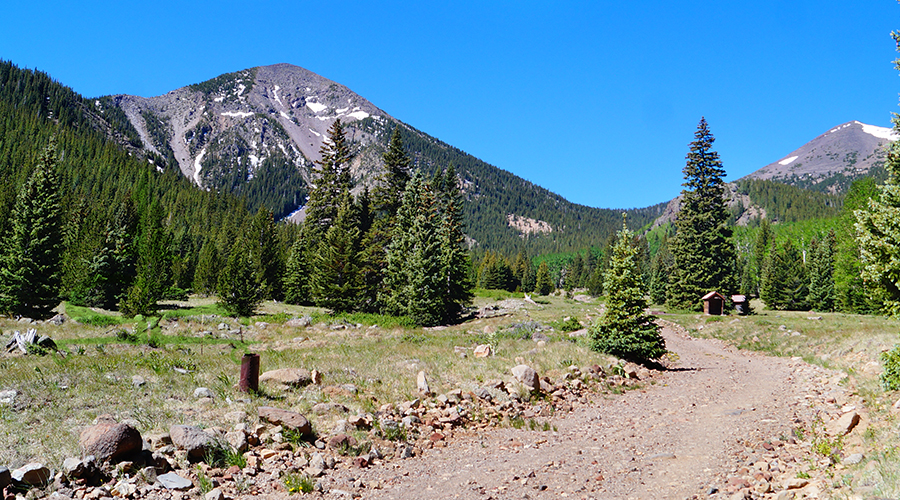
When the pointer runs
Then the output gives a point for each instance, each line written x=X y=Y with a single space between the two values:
x=188 y=347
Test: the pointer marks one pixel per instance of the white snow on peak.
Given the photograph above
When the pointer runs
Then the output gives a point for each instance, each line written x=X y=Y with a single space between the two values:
x=285 y=115
x=359 y=115
x=315 y=133
x=198 y=166
x=219 y=99
x=788 y=161
x=255 y=160
x=879 y=132
x=316 y=107
x=97 y=103
x=277 y=88
x=241 y=88
x=237 y=114
x=343 y=110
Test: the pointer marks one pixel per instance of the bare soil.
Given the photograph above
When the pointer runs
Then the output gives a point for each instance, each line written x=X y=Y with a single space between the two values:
x=719 y=422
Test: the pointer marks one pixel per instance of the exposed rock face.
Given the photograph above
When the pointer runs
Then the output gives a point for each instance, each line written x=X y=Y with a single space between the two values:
x=110 y=441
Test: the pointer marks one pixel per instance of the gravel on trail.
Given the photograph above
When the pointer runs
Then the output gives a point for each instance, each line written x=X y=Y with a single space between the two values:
x=718 y=423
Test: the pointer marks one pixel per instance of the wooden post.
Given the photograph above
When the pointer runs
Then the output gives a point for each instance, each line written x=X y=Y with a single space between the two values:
x=249 y=373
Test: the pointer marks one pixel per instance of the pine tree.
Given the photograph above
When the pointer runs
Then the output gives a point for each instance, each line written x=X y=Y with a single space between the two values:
x=574 y=272
x=332 y=181
x=154 y=266
x=397 y=165
x=206 y=275
x=785 y=283
x=414 y=282
x=764 y=239
x=852 y=295
x=334 y=281
x=269 y=261
x=240 y=290
x=543 y=282
x=296 y=276
x=821 y=273
x=660 y=270
x=454 y=272
x=704 y=255
x=625 y=329
x=31 y=263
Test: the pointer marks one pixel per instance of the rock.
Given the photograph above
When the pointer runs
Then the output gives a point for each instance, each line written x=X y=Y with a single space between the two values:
x=5 y=478
x=172 y=481
x=33 y=474
x=236 y=417
x=287 y=377
x=137 y=381
x=76 y=468
x=406 y=452
x=340 y=441
x=422 y=384
x=237 y=440
x=483 y=351
x=303 y=322
x=795 y=483
x=853 y=459
x=124 y=489
x=844 y=424
x=316 y=465
x=57 y=320
x=8 y=397
x=191 y=439
x=203 y=392
x=109 y=440
x=539 y=337
x=288 y=419
x=527 y=377
x=214 y=494
x=896 y=405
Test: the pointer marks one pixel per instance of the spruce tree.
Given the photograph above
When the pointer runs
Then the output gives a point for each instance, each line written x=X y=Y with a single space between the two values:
x=268 y=259
x=821 y=273
x=331 y=182
x=660 y=270
x=31 y=263
x=206 y=275
x=334 y=281
x=240 y=289
x=454 y=271
x=296 y=276
x=785 y=283
x=625 y=329
x=705 y=258
x=154 y=265
x=543 y=281
x=852 y=295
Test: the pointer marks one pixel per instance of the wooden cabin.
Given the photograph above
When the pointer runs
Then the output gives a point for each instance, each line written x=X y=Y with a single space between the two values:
x=713 y=304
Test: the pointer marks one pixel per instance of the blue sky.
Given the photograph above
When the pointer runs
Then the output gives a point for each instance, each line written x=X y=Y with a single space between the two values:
x=596 y=100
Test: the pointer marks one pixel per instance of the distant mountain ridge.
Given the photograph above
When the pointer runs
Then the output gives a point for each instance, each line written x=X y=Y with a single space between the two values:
x=831 y=161
x=257 y=133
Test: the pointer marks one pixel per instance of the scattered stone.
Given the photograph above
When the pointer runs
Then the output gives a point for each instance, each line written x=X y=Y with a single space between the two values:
x=361 y=462
x=844 y=424
x=191 y=439
x=172 y=481
x=326 y=408
x=316 y=465
x=303 y=322
x=110 y=441
x=214 y=494
x=137 y=381
x=795 y=483
x=8 y=397
x=288 y=419
x=539 y=337
x=287 y=377
x=57 y=320
x=483 y=351
x=203 y=392
x=527 y=377
x=341 y=440
x=853 y=459
x=237 y=440
x=124 y=489
x=422 y=384
x=33 y=474
x=236 y=417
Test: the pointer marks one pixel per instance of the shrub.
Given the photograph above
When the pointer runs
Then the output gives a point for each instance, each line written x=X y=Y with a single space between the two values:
x=890 y=378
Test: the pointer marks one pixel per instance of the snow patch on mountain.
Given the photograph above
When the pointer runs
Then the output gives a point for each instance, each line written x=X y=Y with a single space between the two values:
x=788 y=161
x=316 y=107
x=198 y=165
x=879 y=132
x=237 y=114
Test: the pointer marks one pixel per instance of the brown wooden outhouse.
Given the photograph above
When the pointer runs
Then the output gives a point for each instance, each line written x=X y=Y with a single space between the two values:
x=741 y=304
x=713 y=304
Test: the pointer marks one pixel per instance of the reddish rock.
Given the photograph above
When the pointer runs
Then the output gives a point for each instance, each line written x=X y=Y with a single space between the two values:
x=340 y=440
x=287 y=419
x=435 y=437
x=110 y=441
x=361 y=462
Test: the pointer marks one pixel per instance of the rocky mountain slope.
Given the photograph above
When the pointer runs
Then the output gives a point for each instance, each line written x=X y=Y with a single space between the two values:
x=831 y=161
x=257 y=133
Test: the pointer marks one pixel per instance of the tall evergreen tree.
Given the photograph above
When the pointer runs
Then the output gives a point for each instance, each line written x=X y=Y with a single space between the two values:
x=332 y=181
x=268 y=258
x=821 y=273
x=704 y=254
x=154 y=266
x=206 y=274
x=454 y=272
x=397 y=165
x=31 y=263
x=625 y=329
x=240 y=289
x=785 y=283
x=660 y=269
x=334 y=281
x=543 y=281
x=852 y=295
x=296 y=275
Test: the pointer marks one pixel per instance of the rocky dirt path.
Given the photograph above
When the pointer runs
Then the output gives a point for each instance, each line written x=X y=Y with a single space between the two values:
x=720 y=422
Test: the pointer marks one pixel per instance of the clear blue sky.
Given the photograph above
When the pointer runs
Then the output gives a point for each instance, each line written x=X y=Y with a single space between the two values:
x=595 y=100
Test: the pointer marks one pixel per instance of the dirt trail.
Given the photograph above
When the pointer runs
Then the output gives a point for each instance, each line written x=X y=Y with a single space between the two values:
x=675 y=439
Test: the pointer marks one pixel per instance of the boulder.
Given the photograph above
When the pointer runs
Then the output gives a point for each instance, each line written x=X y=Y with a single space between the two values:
x=287 y=419
x=172 y=481
x=287 y=377
x=191 y=439
x=299 y=322
x=110 y=441
x=527 y=377
x=844 y=424
x=33 y=474
x=483 y=351
x=237 y=440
